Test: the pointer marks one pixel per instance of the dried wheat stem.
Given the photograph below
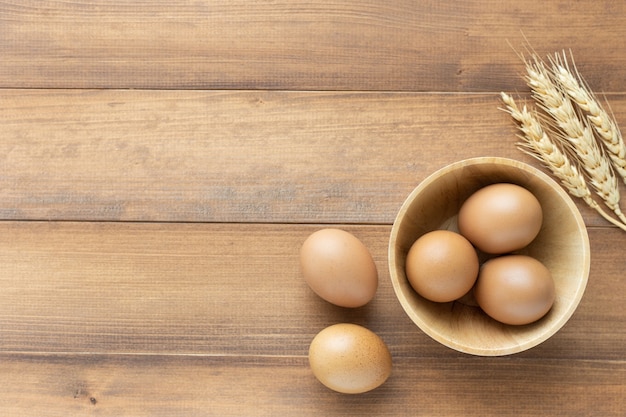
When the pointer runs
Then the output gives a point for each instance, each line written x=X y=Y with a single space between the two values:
x=538 y=144
x=600 y=120
x=576 y=133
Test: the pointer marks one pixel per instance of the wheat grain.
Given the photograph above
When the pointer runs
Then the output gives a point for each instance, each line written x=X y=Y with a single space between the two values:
x=537 y=143
x=576 y=133
x=603 y=124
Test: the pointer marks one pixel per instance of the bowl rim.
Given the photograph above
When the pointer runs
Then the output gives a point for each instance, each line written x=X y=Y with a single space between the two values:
x=555 y=325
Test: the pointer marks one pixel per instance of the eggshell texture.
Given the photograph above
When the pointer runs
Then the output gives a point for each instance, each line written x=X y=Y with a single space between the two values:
x=442 y=266
x=349 y=358
x=339 y=268
x=515 y=289
x=500 y=218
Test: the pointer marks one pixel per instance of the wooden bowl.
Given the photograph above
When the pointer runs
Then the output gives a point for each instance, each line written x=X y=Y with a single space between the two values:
x=562 y=245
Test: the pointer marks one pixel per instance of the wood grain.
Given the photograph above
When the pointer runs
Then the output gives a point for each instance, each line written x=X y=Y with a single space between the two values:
x=245 y=156
x=203 y=386
x=211 y=289
x=407 y=45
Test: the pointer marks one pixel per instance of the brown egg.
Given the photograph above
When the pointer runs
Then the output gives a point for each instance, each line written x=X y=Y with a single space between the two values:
x=515 y=289
x=339 y=268
x=500 y=218
x=442 y=266
x=349 y=358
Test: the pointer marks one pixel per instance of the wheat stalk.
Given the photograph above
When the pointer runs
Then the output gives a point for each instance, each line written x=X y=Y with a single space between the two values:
x=576 y=133
x=538 y=144
x=604 y=125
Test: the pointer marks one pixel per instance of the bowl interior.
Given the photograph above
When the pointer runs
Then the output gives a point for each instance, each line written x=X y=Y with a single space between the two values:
x=562 y=245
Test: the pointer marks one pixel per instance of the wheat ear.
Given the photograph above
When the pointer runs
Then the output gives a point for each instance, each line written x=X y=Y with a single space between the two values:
x=604 y=125
x=537 y=143
x=576 y=133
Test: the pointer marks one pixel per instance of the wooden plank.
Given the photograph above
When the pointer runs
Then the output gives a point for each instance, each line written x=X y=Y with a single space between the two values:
x=213 y=289
x=204 y=386
x=403 y=45
x=245 y=156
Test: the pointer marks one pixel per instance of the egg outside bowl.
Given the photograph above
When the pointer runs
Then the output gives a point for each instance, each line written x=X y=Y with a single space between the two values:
x=562 y=245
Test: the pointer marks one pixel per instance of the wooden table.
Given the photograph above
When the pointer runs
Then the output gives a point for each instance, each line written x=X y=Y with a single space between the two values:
x=161 y=162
